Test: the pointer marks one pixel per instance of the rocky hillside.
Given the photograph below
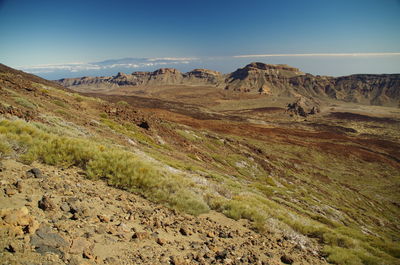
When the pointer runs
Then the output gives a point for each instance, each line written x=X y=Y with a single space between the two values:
x=160 y=77
x=269 y=79
x=53 y=216
x=263 y=78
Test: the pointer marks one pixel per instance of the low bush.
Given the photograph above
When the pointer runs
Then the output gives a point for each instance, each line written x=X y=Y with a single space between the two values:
x=60 y=103
x=122 y=103
x=79 y=98
x=24 y=103
x=5 y=147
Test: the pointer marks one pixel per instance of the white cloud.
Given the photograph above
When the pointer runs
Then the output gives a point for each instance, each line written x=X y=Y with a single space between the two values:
x=318 y=54
x=108 y=64
x=173 y=59
x=53 y=67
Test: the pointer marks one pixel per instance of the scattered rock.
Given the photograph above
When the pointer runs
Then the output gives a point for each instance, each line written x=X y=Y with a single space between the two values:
x=65 y=207
x=110 y=260
x=286 y=259
x=10 y=191
x=46 y=204
x=79 y=211
x=175 y=260
x=123 y=228
x=224 y=234
x=19 y=185
x=103 y=218
x=10 y=249
x=79 y=245
x=144 y=124
x=35 y=172
x=45 y=240
x=140 y=235
x=210 y=234
x=148 y=232
x=19 y=220
x=161 y=241
x=184 y=231
x=88 y=254
x=221 y=254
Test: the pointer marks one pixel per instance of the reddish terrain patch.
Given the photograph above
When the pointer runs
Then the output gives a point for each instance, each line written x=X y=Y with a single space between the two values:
x=333 y=141
x=360 y=118
x=370 y=150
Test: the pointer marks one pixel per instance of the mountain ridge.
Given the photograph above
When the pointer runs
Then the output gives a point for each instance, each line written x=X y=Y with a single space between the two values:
x=269 y=79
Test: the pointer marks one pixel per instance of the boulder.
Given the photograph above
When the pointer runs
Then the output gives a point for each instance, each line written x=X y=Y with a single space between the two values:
x=45 y=240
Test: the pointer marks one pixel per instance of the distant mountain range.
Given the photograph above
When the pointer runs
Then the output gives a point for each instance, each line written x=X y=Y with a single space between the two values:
x=275 y=80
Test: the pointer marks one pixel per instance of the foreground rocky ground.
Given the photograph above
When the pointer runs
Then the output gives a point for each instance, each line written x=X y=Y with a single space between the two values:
x=56 y=216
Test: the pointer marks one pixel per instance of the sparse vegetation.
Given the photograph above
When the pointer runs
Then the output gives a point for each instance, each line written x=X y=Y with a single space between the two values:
x=60 y=103
x=129 y=130
x=63 y=112
x=79 y=98
x=5 y=147
x=120 y=168
x=122 y=103
x=25 y=102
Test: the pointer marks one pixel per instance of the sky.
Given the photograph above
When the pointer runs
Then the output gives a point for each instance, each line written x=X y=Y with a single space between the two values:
x=56 y=38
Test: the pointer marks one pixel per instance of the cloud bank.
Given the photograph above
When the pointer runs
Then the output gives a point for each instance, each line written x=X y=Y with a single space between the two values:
x=125 y=63
x=319 y=55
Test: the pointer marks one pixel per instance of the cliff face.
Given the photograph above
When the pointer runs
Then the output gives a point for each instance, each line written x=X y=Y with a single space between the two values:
x=361 y=88
x=274 y=80
x=375 y=89
x=263 y=78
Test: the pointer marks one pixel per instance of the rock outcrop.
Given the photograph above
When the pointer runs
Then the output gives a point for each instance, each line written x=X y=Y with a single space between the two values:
x=303 y=107
x=204 y=76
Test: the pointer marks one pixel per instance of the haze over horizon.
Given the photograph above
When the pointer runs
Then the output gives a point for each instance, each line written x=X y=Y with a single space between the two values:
x=56 y=39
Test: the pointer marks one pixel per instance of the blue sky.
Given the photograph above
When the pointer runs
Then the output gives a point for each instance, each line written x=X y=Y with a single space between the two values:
x=69 y=37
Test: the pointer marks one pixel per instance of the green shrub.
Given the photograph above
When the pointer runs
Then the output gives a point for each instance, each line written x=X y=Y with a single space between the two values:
x=338 y=255
x=191 y=136
x=350 y=256
x=79 y=98
x=63 y=112
x=122 y=103
x=5 y=147
x=25 y=103
x=240 y=208
x=103 y=115
x=130 y=130
x=388 y=247
x=60 y=103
